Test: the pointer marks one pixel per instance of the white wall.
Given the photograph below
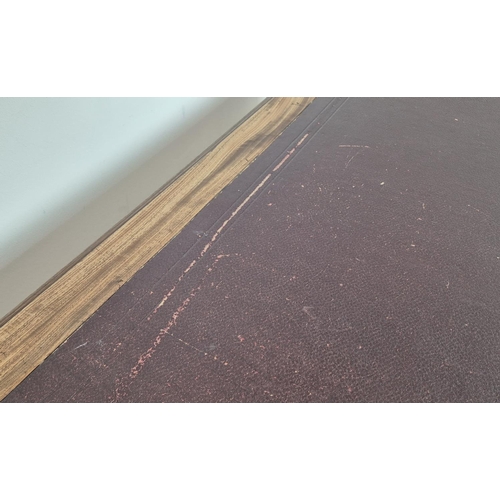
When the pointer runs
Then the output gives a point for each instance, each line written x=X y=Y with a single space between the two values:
x=71 y=168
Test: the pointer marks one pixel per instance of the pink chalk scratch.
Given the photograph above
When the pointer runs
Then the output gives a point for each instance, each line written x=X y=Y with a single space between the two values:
x=281 y=162
x=218 y=232
x=290 y=153
x=302 y=140
x=122 y=384
x=169 y=294
x=206 y=248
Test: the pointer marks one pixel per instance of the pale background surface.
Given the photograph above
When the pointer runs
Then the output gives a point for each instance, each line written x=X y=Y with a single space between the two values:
x=71 y=168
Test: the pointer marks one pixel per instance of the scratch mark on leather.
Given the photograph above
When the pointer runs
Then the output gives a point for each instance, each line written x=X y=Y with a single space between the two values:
x=221 y=228
x=307 y=310
x=352 y=158
x=209 y=244
x=302 y=140
x=290 y=153
x=281 y=162
x=122 y=384
x=243 y=203
x=169 y=294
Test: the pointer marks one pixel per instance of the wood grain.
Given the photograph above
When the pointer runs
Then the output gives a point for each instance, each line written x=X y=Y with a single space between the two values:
x=48 y=320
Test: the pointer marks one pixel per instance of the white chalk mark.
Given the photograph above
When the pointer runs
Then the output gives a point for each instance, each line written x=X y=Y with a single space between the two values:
x=302 y=140
x=350 y=159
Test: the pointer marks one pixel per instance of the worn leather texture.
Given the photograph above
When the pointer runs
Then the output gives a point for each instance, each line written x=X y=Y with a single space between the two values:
x=356 y=260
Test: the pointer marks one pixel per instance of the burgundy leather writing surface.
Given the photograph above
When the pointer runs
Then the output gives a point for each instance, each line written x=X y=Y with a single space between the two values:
x=356 y=260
